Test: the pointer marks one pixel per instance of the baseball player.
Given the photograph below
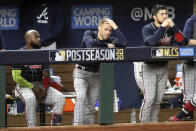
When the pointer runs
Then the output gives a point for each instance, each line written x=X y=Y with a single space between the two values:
x=86 y=75
x=138 y=74
x=137 y=67
x=189 y=75
x=33 y=85
x=161 y=32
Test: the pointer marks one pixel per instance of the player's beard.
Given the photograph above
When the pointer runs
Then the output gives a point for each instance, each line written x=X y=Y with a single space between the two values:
x=35 y=46
x=159 y=21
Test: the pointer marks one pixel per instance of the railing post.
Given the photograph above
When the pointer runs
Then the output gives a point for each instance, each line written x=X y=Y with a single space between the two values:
x=106 y=93
x=2 y=97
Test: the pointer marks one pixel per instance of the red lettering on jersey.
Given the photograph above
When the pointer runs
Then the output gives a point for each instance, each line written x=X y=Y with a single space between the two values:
x=35 y=66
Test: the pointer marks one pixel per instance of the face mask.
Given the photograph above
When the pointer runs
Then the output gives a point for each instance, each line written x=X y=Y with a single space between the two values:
x=35 y=46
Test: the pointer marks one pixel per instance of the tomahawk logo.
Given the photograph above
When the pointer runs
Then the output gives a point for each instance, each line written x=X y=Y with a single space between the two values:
x=43 y=17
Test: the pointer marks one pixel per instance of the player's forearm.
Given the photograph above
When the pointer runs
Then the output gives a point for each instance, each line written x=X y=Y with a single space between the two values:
x=46 y=73
x=122 y=39
x=153 y=40
x=192 y=42
x=16 y=74
x=90 y=43
x=179 y=36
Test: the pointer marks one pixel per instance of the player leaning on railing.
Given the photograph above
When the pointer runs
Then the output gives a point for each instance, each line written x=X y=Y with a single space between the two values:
x=189 y=75
x=161 y=32
x=86 y=75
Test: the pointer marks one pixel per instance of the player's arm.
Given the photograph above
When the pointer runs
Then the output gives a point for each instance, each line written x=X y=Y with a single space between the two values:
x=46 y=73
x=179 y=37
x=120 y=40
x=192 y=42
x=90 y=42
x=46 y=70
x=112 y=23
x=17 y=77
x=46 y=81
x=150 y=38
x=188 y=31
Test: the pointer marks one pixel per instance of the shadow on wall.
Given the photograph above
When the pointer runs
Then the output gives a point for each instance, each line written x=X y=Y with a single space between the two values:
x=126 y=86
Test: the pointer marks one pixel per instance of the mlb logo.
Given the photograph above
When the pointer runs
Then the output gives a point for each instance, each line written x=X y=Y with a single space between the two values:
x=58 y=55
x=157 y=52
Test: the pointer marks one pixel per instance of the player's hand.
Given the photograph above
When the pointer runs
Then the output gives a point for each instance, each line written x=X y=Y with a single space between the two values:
x=165 y=23
x=111 y=46
x=112 y=23
x=171 y=23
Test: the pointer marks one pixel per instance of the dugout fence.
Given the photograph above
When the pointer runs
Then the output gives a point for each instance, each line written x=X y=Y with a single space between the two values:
x=105 y=56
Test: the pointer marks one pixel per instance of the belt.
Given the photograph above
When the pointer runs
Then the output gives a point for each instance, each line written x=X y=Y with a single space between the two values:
x=86 y=69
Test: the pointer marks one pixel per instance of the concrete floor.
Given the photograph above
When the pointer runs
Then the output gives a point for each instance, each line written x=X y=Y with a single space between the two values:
x=121 y=117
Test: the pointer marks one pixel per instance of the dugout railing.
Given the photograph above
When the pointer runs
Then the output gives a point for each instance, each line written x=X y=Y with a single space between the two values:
x=104 y=55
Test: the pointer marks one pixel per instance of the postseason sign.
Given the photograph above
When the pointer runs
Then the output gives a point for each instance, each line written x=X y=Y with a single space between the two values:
x=9 y=17
x=85 y=55
x=83 y=17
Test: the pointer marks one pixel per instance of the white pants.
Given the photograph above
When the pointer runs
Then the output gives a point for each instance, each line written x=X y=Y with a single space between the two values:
x=155 y=82
x=86 y=85
x=27 y=96
x=138 y=74
x=189 y=83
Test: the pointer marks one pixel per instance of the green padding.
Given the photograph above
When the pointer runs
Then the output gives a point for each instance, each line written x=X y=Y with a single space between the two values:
x=2 y=97
x=106 y=93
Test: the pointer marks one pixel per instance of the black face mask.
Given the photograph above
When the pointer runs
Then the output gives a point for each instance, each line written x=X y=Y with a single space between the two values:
x=35 y=46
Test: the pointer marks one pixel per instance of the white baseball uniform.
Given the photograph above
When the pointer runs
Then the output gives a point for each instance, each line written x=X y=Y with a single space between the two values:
x=86 y=85
x=138 y=74
x=27 y=96
x=29 y=76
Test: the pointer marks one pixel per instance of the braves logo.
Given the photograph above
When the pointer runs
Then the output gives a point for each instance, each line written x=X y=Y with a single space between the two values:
x=43 y=14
